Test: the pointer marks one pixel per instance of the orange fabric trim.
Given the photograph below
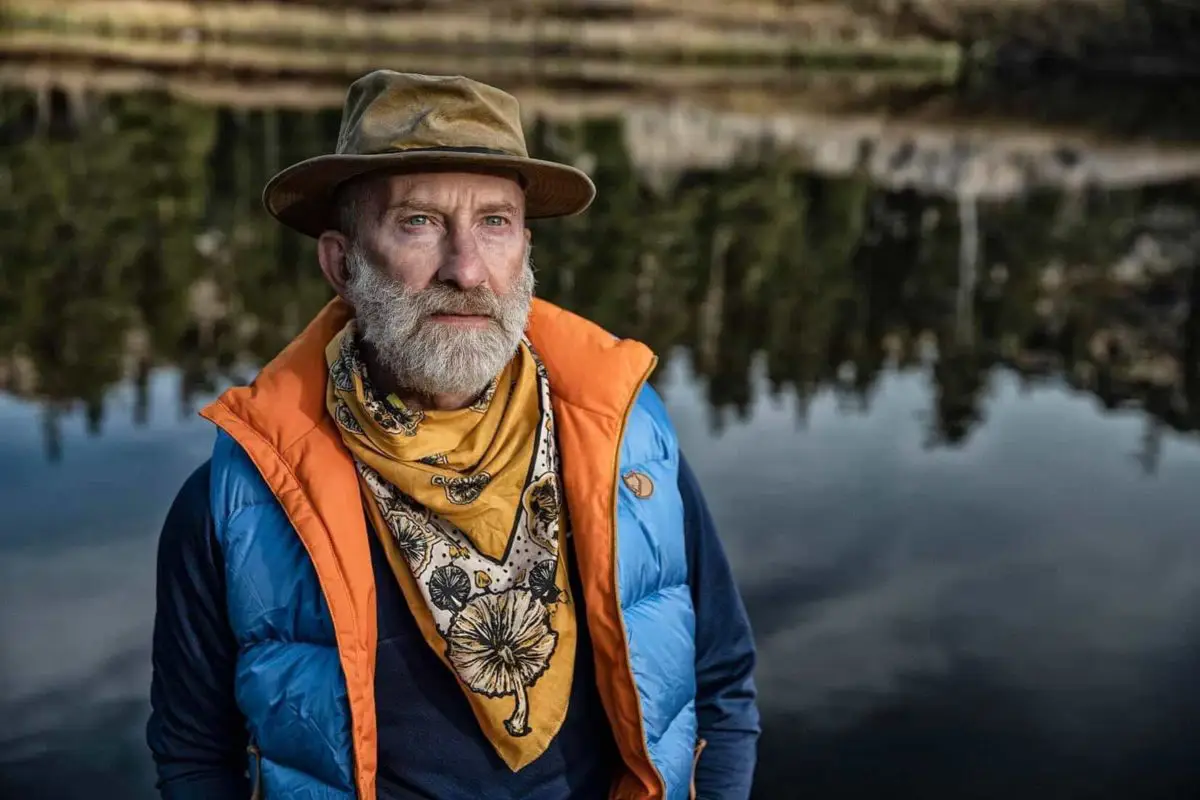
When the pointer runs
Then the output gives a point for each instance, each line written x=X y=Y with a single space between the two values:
x=281 y=422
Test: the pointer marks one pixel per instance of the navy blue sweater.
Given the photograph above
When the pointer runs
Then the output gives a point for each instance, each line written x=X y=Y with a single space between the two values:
x=430 y=745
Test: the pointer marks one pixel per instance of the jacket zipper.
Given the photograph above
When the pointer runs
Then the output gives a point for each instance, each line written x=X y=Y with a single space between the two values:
x=662 y=784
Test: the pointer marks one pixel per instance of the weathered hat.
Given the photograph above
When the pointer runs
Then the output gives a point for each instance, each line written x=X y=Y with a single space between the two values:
x=398 y=121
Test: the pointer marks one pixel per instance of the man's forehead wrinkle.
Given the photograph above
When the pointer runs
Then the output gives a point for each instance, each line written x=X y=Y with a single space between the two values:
x=474 y=199
x=421 y=184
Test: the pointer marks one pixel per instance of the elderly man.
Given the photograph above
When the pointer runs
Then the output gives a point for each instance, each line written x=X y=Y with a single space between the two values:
x=446 y=545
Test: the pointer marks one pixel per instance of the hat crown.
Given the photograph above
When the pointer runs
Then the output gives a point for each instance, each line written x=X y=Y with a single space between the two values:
x=392 y=112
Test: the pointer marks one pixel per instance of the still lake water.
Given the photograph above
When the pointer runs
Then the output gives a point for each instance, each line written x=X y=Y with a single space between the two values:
x=950 y=442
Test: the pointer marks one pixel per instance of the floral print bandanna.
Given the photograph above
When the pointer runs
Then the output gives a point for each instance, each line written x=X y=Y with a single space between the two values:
x=469 y=510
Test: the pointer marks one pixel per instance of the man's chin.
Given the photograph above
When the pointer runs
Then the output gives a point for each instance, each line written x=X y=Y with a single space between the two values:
x=467 y=378
x=451 y=344
x=447 y=328
x=462 y=321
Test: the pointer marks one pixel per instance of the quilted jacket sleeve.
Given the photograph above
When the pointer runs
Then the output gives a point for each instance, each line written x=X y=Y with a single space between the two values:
x=726 y=700
x=195 y=732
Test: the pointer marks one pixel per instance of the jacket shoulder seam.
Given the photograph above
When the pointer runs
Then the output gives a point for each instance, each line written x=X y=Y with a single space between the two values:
x=270 y=446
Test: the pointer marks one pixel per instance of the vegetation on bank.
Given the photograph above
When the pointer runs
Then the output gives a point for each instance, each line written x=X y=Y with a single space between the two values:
x=663 y=70
x=1156 y=37
x=138 y=241
x=649 y=40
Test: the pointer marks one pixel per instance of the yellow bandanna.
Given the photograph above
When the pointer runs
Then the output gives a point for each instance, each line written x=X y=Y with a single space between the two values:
x=468 y=508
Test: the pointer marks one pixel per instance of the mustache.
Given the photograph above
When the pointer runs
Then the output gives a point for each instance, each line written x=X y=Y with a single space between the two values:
x=443 y=298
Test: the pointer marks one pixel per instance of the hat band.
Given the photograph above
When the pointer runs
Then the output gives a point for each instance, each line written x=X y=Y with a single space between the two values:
x=475 y=151
x=479 y=151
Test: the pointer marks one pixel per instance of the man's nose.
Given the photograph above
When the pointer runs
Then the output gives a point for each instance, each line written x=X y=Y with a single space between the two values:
x=463 y=264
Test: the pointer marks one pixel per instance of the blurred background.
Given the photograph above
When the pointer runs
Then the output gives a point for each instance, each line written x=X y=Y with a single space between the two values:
x=922 y=275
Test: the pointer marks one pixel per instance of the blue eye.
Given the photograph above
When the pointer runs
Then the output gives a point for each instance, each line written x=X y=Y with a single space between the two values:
x=494 y=220
x=417 y=219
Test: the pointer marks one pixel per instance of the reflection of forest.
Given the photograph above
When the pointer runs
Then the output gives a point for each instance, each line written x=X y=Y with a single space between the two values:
x=137 y=241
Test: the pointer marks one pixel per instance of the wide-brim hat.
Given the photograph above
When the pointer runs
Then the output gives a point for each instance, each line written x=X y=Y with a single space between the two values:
x=394 y=121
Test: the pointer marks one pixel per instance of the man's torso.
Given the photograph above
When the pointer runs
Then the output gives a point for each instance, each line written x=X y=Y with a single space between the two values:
x=430 y=744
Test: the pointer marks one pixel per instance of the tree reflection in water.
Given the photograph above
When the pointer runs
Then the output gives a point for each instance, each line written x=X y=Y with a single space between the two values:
x=137 y=240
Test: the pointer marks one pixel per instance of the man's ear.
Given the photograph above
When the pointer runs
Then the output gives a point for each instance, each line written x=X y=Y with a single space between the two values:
x=332 y=247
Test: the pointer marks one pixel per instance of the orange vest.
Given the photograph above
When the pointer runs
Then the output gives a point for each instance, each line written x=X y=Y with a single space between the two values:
x=281 y=423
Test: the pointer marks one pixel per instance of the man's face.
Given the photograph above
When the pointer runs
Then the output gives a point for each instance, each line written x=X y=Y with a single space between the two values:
x=440 y=278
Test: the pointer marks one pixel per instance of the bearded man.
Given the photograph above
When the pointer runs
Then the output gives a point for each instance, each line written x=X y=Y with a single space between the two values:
x=446 y=545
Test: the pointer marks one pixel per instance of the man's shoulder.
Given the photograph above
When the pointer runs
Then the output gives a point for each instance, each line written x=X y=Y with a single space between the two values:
x=235 y=481
x=649 y=434
x=650 y=402
x=193 y=494
x=189 y=519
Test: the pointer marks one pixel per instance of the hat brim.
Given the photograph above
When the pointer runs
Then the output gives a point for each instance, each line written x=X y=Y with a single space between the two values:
x=302 y=195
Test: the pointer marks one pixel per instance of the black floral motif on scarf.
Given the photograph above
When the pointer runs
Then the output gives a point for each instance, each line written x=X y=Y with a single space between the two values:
x=345 y=418
x=340 y=374
x=413 y=540
x=541 y=582
x=449 y=588
x=542 y=505
x=485 y=398
x=465 y=490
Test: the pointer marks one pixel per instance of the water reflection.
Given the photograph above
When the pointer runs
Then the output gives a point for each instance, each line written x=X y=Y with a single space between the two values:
x=927 y=416
x=830 y=277
x=1012 y=618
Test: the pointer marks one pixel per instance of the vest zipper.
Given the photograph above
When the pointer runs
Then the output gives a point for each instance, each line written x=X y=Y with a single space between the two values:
x=256 y=793
x=700 y=745
x=662 y=783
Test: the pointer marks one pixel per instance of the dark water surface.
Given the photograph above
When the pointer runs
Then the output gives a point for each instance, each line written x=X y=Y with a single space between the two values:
x=949 y=433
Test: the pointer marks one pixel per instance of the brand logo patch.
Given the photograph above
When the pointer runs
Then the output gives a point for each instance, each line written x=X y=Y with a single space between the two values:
x=639 y=483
